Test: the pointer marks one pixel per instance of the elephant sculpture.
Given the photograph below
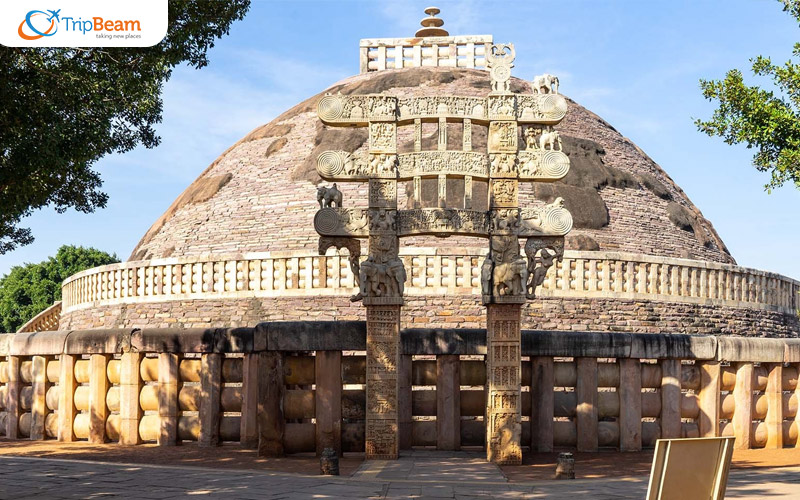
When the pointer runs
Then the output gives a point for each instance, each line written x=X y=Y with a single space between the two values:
x=510 y=278
x=546 y=84
x=328 y=197
x=552 y=138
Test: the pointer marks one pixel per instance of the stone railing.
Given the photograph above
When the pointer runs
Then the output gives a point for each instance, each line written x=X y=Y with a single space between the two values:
x=449 y=51
x=44 y=321
x=580 y=390
x=430 y=272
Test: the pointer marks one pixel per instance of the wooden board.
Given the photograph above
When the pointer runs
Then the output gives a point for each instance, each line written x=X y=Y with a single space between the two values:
x=690 y=469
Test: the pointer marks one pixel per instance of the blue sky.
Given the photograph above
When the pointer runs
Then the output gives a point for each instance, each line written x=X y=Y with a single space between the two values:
x=635 y=63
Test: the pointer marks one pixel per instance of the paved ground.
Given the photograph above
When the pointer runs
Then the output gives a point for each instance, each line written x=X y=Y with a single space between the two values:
x=416 y=475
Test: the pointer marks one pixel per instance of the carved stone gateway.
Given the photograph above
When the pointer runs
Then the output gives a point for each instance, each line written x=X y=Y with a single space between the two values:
x=521 y=147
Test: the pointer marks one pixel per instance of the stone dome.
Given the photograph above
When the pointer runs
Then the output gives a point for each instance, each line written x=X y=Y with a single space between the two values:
x=259 y=195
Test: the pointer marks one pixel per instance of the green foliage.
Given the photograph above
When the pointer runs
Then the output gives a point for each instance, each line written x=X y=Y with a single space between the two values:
x=30 y=289
x=759 y=118
x=62 y=109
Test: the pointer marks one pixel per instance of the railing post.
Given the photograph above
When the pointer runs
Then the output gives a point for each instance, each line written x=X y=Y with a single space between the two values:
x=448 y=402
x=168 y=389
x=743 y=409
x=271 y=387
x=774 y=396
x=328 y=394
x=670 y=398
x=542 y=401
x=249 y=426
x=709 y=399
x=210 y=387
x=39 y=403
x=12 y=402
x=66 y=398
x=404 y=417
x=130 y=385
x=98 y=388
x=586 y=394
x=630 y=405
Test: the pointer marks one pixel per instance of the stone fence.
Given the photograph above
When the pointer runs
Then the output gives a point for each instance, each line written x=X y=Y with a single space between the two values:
x=584 y=391
x=585 y=275
x=44 y=321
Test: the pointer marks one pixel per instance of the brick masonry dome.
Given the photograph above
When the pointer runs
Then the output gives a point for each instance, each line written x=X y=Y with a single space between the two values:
x=260 y=194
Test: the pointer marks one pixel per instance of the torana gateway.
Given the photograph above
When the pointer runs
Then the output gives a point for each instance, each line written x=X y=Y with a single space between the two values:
x=431 y=223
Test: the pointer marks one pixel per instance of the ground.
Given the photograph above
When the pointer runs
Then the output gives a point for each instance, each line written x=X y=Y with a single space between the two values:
x=45 y=470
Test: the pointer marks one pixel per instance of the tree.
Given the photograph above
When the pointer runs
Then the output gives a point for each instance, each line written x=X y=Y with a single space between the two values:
x=30 y=289
x=62 y=109
x=759 y=118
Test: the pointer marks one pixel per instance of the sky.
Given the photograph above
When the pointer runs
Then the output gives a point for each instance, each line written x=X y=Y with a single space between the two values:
x=637 y=64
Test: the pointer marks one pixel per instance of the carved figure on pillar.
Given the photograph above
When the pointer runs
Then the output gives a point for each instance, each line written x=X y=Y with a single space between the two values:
x=542 y=254
x=545 y=84
x=328 y=197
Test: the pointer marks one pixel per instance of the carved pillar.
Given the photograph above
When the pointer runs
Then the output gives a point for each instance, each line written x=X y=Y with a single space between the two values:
x=503 y=368
x=383 y=348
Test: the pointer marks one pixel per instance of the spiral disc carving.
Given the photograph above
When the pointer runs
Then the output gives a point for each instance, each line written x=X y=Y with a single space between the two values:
x=327 y=222
x=554 y=164
x=330 y=164
x=553 y=106
x=557 y=221
x=330 y=107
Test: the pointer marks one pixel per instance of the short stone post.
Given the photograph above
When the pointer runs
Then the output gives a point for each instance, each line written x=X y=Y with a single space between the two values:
x=448 y=403
x=39 y=403
x=670 y=398
x=587 y=409
x=630 y=405
x=98 y=387
x=249 y=423
x=503 y=374
x=168 y=389
x=130 y=385
x=328 y=395
x=543 y=403
x=404 y=416
x=743 y=408
x=66 y=398
x=210 y=407
x=709 y=398
x=271 y=388
x=774 y=396
x=13 y=387
x=383 y=348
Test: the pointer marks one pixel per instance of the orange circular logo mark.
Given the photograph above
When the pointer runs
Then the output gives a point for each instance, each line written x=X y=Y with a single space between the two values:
x=34 y=37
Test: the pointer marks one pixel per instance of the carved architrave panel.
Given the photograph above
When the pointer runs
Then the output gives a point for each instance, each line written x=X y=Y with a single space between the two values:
x=435 y=107
x=434 y=163
x=502 y=137
x=504 y=221
x=344 y=166
x=357 y=109
x=382 y=137
x=503 y=369
x=502 y=107
x=382 y=193
x=441 y=221
x=542 y=165
x=503 y=193
x=383 y=347
x=504 y=165
x=541 y=108
x=352 y=222
x=550 y=220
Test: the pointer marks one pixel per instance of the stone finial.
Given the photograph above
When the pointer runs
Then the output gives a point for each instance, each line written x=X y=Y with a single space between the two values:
x=432 y=25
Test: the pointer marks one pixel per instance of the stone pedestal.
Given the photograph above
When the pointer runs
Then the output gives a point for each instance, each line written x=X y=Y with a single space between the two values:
x=503 y=369
x=383 y=349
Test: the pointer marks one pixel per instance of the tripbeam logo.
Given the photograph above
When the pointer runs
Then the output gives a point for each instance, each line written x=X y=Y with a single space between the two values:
x=49 y=30
x=84 y=23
